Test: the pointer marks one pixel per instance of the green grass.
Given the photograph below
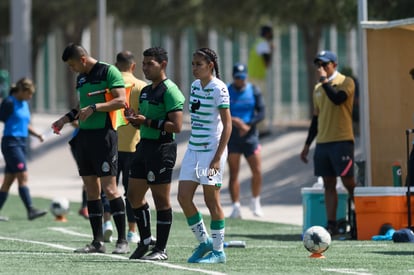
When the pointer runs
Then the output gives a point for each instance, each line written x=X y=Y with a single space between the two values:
x=36 y=247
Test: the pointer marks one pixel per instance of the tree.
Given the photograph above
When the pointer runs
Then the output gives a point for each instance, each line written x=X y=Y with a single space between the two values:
x=395 y=9
x=311 y=17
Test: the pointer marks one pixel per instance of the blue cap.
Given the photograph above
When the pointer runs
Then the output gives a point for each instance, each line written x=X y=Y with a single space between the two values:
x=403 y=236
x=326 y=56
x=240 y=71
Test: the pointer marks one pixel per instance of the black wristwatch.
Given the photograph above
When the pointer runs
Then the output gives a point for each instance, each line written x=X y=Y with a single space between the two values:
x=93 y=107
x=322 y=78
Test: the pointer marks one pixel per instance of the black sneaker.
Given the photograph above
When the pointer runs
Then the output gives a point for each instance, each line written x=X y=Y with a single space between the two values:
x=140 y=251
x=35 y=213
x=156 y=255
x=332 y=229
x=121 y=247
x=94 y=247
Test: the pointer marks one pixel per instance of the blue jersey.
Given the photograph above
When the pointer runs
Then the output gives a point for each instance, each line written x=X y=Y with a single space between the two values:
x=246 y=104
x=16 y=117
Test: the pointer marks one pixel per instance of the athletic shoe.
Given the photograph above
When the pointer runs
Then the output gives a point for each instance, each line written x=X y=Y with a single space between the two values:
x=35 y=213
x=201 y=250
x=140 y=251
x=107 y=231
x=214 y=257
x=94 y=247
x=121 y=247
x=332 y=229
x=132 y=237
x=4 y=219
x=235 y=213
x=156 y=255
x=256 y=207
x=84 y=212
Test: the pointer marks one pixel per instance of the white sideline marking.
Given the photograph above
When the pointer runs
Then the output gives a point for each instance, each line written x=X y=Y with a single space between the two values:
x=358 y=271
x=69 y=232
x=114 y=256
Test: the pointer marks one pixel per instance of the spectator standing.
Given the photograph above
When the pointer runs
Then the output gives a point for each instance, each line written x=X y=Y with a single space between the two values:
x=260 y=59
x=331 y=124
x=247 y=109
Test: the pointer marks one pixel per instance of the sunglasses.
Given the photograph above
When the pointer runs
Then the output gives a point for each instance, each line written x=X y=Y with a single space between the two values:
x=322 y=64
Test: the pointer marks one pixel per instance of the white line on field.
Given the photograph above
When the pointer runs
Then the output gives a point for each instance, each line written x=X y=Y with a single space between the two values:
x=69 y=232
x=113 y=256
x=358 y=271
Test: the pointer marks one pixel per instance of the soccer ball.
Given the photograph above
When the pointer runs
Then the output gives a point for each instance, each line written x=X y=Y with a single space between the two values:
x=316 y=239
x=59 y=207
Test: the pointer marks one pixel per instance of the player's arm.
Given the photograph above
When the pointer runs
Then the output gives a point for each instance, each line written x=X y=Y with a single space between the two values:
x=312 y=133
x=70 y=116
x=34 y=133
x=225 y=136
x=259 y=107
x=117 y=102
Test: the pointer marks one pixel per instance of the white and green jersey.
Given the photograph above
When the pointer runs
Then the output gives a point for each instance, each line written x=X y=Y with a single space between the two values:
x=206 y=125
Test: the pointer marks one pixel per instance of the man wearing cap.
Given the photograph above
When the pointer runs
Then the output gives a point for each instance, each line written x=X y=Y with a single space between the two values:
x=331 y=124
x=247 y=109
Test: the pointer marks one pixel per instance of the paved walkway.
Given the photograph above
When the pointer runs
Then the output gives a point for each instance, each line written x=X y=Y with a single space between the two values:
x=52 y=172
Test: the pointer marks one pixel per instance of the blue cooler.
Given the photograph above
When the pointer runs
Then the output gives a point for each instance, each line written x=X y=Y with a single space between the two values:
x=314 y=212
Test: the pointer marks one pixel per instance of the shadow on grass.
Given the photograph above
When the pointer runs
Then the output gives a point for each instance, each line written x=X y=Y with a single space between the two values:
x=271 y=237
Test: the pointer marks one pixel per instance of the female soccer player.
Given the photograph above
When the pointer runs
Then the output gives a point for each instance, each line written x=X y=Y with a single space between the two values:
x=206 y=155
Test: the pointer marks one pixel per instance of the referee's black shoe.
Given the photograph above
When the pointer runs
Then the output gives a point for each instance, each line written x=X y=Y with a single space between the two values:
x=35 y=213
x=140 y=251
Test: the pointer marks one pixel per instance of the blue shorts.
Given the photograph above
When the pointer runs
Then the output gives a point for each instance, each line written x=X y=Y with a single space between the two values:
x=246 y=145
x=334 y=159
x=154 y=161
x=14 y=153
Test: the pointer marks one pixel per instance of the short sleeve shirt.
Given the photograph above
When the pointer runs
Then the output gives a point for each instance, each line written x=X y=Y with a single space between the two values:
x=102 y=76
x=156 y=103
x=205 y=104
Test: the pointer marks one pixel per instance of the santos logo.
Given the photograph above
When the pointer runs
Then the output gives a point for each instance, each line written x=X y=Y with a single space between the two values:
x=205 y=172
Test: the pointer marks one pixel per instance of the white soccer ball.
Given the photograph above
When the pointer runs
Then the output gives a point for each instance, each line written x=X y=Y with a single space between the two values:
x=59 y=206
x=316 y=239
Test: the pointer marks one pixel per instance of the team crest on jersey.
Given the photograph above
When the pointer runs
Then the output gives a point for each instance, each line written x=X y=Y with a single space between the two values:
x=81 y=81
x=150 y=176
x=105 y=167
x=195 y=105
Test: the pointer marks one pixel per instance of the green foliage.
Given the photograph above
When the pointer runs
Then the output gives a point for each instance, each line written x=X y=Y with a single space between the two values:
x=390 y=9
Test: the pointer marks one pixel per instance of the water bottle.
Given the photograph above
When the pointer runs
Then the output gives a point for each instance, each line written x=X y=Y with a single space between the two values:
x=396 y=174
x=239 y=244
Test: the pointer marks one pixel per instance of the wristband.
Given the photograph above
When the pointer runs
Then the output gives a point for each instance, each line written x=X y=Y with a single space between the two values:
x=93 y=107
x=155 y=124
x=322 y=78
x=72 y=114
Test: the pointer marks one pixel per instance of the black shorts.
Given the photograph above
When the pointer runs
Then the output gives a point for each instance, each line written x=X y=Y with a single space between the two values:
x=154 y=161
x=96 y=152
x=334 y=159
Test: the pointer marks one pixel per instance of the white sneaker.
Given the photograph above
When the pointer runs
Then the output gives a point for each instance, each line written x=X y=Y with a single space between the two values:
x=107 y=231
x=132 y=237
x=236 y=213
x=256 y=207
